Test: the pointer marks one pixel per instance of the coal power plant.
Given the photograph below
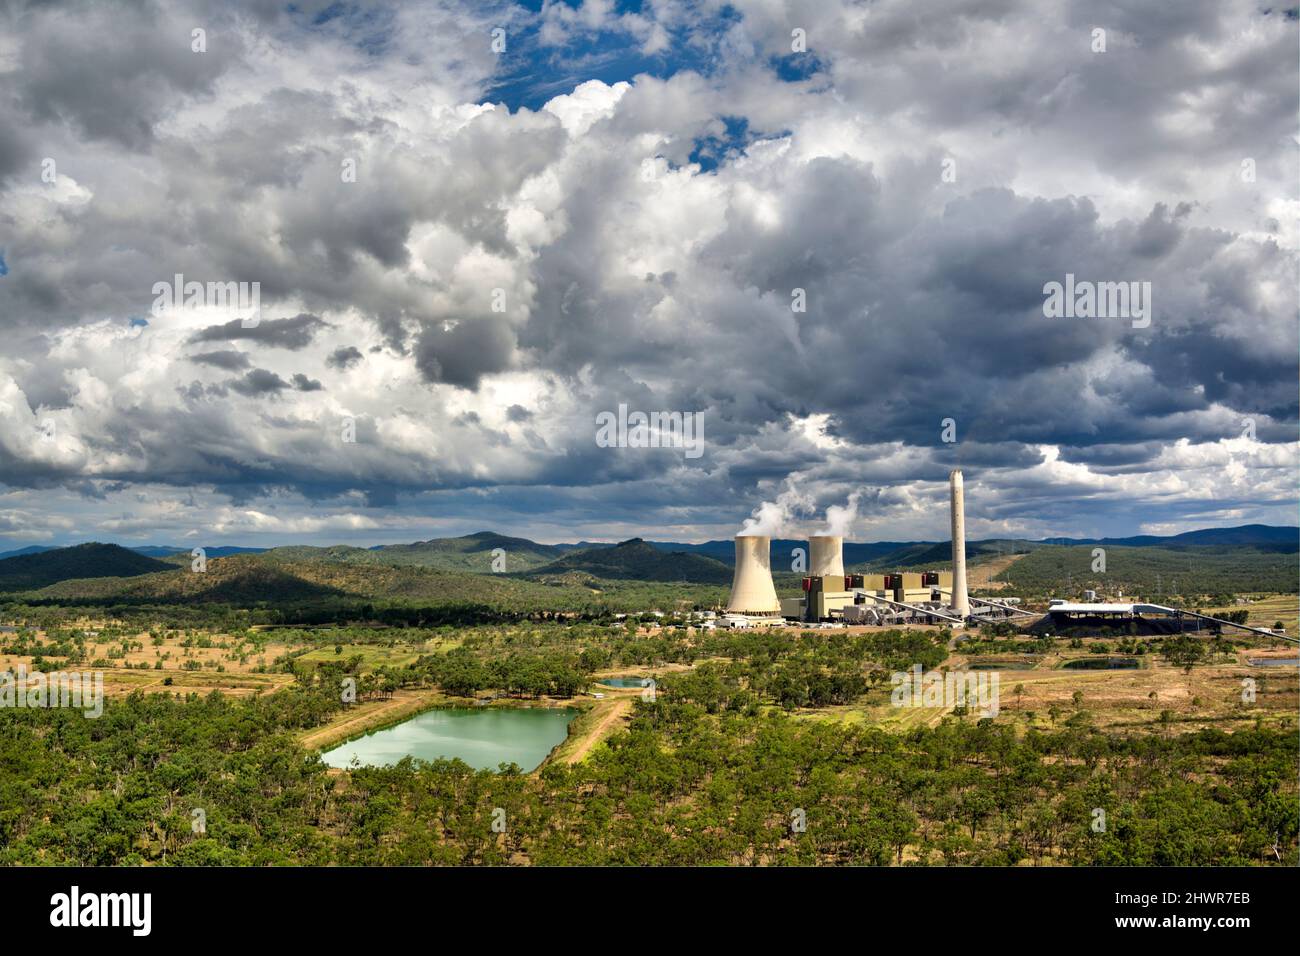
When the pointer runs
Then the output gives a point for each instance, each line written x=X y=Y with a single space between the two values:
x=833 y=597
x=830 y=595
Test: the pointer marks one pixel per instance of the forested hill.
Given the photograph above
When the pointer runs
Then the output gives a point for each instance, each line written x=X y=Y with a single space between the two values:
x=93 y=560
x=1154 y=572
x=472 y=552
x=246 y=580
x=637 y=560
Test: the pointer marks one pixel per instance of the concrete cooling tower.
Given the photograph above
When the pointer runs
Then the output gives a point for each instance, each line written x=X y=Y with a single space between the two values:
x=752 y=591
x=826 y=557
x=960 y=602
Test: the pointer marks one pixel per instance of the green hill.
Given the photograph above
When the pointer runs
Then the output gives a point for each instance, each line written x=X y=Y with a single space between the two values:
x=937 y=555
x=1152 y=573
x=92 y=560
x=472 y=552
x=636 y=560
x=248 y=579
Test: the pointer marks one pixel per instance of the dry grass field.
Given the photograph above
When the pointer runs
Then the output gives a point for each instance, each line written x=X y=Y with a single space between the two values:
x=200 y=661
x=227 y=665
x=1267 y=610
x=1156 y=698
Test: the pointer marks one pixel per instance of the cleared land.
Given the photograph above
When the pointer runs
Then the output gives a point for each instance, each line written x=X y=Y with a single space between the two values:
x=982 y=574
x=1267 y=610
x=594 y=726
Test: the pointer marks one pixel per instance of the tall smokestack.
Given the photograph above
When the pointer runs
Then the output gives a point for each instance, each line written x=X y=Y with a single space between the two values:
x=960 y=603
x=826 y=558
x=752 y=591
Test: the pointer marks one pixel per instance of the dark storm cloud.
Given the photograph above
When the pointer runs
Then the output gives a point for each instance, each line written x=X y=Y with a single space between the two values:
x=1160 y=232
x=344 y=357
x=258 y=382
x=295 y=333
x=463 y=354
x=113 y=70
x=228 y=359
x=16 y=153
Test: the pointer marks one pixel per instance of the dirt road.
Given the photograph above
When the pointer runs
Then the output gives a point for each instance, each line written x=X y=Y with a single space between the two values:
x=606 y=724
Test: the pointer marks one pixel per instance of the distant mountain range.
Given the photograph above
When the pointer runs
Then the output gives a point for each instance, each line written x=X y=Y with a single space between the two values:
x=1262 y=536
x=254 y=570
x=474 y=551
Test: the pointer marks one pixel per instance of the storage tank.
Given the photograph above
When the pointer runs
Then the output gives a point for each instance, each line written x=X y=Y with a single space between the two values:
x=752 y=591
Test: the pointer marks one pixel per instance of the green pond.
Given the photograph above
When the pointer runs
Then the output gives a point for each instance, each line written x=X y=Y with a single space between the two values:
x=621 y=681
x=483 y=738
x=1102 y=664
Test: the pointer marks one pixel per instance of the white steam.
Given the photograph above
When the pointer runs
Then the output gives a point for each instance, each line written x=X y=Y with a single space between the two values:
x=773 y=518
x=789 y=515
x=840 y=518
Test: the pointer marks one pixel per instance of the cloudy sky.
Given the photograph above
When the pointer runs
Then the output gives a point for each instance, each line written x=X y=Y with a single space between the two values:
x=476 y=227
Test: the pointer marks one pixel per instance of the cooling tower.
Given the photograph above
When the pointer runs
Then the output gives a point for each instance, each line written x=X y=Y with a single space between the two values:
x=960 y=603
x=752 y=591
x=826 y=556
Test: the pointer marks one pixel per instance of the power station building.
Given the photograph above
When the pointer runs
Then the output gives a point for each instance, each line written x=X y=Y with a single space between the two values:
x=831 y=594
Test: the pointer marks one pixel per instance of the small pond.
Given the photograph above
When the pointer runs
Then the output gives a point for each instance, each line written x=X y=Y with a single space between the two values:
x=1102 y=664
x=622 y=682
x=483 y=738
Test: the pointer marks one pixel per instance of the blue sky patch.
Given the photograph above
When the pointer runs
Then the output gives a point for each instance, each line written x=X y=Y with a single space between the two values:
x=532 y=73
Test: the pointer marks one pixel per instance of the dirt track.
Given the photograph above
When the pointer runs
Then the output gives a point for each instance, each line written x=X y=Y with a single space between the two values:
x=370 y=714
x=618 y=708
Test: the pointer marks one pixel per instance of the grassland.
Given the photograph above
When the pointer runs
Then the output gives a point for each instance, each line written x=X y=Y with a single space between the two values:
x=1265 y=610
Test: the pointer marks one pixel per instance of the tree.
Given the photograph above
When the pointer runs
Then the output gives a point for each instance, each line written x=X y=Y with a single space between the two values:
x=1183 y=651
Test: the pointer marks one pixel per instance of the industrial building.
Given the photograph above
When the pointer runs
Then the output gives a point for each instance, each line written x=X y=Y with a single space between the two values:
x=1136 y=617
x=831 y=595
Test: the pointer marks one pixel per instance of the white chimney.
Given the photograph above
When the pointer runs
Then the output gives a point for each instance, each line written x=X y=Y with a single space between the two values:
x=960 y=603
x=826 y=556
x=752 y=591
